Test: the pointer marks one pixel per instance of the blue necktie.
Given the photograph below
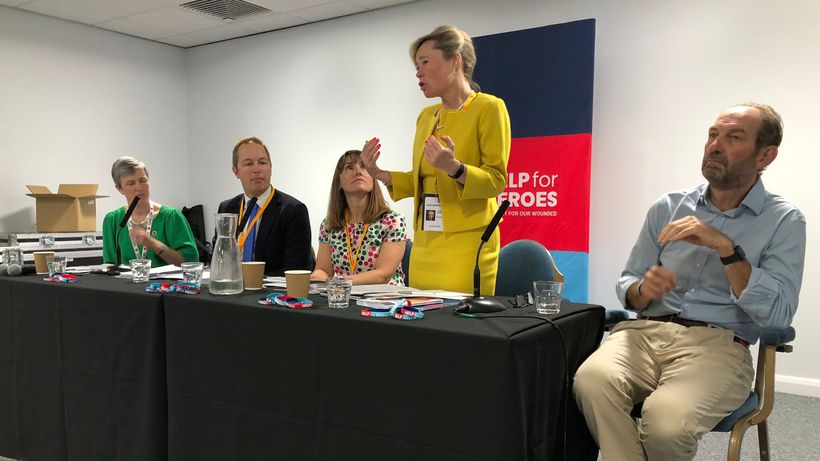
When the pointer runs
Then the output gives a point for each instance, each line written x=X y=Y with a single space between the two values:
x=247 y=250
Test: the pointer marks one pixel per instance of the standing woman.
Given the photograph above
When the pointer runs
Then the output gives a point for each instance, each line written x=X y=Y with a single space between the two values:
x=460 y=155
x=156 y=232
x=361 y=228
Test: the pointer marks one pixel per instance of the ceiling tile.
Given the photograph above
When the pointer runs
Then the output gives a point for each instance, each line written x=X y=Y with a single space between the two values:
x=171 y=20
x=13 y=2
x=127 y=26
x=284 y=6
x=116 y=8
x=61 y=10
x=374 y=4
x=272 y=22
x=328 y=10
x=155 y=19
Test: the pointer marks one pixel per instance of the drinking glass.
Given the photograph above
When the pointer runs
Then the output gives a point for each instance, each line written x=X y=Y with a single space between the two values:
x=547 y=296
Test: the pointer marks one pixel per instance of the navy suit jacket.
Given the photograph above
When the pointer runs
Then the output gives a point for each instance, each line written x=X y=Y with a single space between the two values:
x=283 y=235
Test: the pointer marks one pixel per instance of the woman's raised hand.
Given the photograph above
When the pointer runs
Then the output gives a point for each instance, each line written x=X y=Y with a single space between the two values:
x=370 y=155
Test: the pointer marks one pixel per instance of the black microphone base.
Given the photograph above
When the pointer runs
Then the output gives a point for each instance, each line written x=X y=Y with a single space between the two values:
x=479 y=305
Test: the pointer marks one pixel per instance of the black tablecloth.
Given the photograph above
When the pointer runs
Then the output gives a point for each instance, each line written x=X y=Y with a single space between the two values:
x=251 y=382
x=82 y=370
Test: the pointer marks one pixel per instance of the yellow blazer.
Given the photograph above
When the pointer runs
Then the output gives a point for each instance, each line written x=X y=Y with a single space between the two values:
x=481 y=134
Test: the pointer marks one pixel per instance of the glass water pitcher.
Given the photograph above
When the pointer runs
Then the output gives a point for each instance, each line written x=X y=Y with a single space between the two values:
x=226 y=265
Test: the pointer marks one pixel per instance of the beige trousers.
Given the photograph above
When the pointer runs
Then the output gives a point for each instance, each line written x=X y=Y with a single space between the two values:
x=689 y=379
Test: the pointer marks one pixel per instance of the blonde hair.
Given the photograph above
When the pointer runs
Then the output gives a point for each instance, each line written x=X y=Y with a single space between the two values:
x=337 y=205
x=451 y=40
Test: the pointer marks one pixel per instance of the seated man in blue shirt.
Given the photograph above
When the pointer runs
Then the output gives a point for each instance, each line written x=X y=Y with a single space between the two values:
x=711 y=267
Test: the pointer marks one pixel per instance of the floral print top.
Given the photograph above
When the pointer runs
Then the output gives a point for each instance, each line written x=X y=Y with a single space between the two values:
x=389 y=228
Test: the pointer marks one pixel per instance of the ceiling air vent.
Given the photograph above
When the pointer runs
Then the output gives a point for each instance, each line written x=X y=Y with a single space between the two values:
x=225 y=10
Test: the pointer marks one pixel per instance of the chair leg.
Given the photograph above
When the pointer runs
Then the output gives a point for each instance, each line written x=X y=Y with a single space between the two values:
x=763 y=438
x=735 y=440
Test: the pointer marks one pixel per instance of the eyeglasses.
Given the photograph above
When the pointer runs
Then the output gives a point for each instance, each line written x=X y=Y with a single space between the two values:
x=521 y=301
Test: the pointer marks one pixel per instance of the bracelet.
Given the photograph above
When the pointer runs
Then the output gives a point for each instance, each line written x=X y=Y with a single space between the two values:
x=638 y=287
x=459 y=171
x=161 y=250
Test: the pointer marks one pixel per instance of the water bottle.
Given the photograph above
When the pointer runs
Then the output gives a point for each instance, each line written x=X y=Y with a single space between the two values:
x=226 y=265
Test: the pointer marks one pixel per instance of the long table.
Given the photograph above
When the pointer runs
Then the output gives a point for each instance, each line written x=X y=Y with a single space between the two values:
x=101 y=370
x=251 y=382
x=82 y=371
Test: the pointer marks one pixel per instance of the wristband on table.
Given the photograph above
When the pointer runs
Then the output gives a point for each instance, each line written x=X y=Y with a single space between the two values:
x=383 y=312
x=409 y=313
x=61 y=277
x=292 y=302
x=280 y=299
x=181 y=287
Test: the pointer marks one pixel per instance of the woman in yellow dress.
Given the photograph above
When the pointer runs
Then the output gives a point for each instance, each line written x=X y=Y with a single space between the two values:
x=460 y=155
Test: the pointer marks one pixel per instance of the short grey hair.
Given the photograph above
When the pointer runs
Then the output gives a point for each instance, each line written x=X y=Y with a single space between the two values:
x=126 y=166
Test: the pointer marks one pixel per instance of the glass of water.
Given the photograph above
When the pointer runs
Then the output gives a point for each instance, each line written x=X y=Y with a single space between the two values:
x=192 y=272
x=140 y=268
x=338 y=292
x=547 y=296
x=56 y=265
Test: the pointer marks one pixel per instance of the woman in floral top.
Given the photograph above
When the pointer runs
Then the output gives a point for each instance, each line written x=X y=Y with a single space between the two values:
x=360 y=228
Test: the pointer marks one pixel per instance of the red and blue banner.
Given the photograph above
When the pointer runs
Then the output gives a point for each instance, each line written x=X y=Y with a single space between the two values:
x=545 y=76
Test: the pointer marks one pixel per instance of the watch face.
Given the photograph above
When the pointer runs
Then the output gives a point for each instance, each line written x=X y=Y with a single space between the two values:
x=738 y=255
x=739 y=252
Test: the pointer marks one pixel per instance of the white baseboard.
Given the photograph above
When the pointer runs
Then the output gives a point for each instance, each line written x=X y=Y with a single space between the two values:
x=795 y=385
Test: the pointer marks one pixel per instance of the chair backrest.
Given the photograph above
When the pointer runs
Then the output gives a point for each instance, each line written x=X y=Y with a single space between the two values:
x=196 y=219
x=405 y=262
x=522 y=262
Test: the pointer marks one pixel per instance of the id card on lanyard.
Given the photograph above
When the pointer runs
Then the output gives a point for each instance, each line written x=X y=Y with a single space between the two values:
x=248 y=227
x=146 y=226
x=431 y=214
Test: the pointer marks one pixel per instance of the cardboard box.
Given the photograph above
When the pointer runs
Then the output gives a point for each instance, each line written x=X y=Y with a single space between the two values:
x=72 y=209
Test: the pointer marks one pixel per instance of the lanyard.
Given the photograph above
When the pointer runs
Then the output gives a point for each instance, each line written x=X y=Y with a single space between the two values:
x=461 y=108
x=244 y=235
x=149 y=221
x=354 y=258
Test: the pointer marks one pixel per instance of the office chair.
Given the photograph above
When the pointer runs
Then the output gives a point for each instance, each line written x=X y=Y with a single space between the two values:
x=758 y=406
x=522 y=262
x=405 y=262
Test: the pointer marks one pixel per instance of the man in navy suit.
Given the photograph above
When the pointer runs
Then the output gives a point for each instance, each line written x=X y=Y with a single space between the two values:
x=277 y=230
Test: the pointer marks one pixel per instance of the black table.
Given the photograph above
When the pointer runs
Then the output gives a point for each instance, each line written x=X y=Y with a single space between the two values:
x=82 y=370
x=251 y=382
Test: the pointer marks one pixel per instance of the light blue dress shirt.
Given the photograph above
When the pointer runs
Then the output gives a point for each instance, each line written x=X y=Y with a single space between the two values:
x=772 y=233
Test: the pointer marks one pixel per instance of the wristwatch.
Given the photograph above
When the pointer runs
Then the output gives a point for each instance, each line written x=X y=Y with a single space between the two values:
x=738 y=255
x=459 y=171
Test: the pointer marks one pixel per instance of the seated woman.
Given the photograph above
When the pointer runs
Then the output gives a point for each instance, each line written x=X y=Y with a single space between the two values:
x=156 y=232
x=361 y=238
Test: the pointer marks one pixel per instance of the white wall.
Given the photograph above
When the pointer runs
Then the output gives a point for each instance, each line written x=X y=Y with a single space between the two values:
x=73 y=99
x=663 y=72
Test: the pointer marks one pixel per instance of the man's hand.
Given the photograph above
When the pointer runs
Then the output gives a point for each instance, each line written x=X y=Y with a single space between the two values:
x=692 y=230
x=657 y=281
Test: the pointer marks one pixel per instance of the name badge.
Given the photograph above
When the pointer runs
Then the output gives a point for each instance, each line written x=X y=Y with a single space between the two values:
x=431 y=214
